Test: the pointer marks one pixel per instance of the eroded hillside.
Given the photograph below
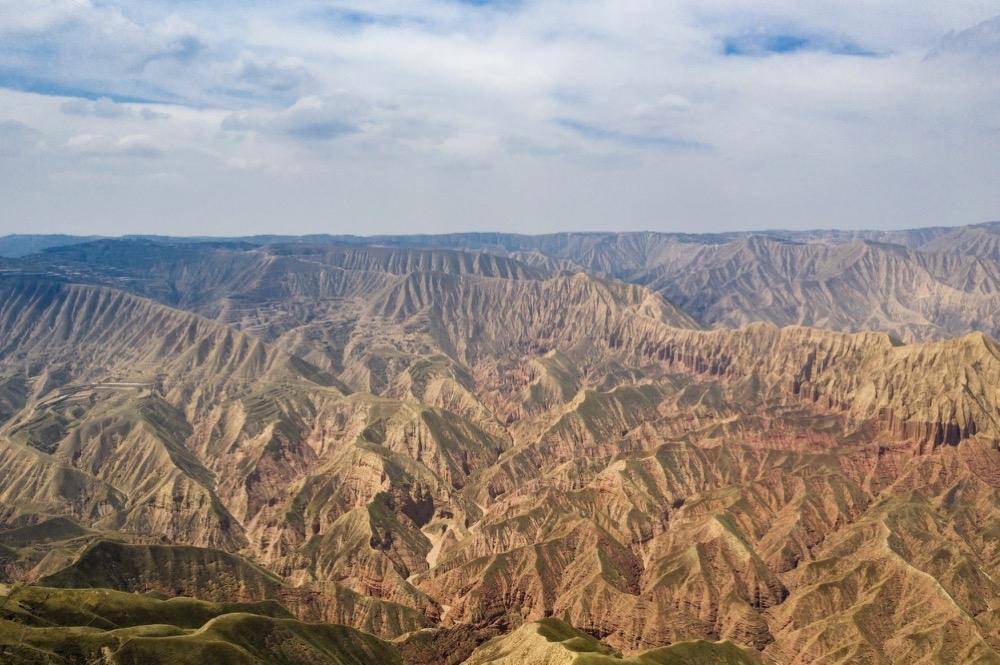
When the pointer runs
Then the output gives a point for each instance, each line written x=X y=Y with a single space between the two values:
x=475 y=457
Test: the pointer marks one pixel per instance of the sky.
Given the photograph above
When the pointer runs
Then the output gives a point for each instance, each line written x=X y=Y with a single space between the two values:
x=233 y=117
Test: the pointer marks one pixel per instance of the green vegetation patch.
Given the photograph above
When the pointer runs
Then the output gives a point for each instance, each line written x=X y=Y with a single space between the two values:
x=48 y=531
x=77 y=626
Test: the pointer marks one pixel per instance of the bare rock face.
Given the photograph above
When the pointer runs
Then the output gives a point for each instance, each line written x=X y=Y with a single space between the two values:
x=507 y=457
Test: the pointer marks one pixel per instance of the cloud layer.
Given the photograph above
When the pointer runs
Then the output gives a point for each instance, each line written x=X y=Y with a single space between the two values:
x=525 y=115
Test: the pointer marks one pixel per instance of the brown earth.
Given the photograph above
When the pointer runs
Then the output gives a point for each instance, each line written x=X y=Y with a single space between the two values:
x=440 y=446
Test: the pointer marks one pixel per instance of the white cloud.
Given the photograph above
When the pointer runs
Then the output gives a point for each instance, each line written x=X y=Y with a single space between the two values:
x=16 y=137
x=979 y=41
x=245 y=164
x=100 y=108
x=279 y=75
x=535 y=115
x=104 y=107
x=308 y=119
x=99 y=145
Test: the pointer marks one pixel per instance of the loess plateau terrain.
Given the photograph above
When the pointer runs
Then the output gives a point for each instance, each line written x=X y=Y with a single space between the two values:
x=586 y=449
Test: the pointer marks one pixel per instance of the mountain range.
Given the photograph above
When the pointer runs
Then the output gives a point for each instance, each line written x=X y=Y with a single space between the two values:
x=486 y=448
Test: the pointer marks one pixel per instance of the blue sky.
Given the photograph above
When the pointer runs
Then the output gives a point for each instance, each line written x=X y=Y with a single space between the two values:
x=226 y=117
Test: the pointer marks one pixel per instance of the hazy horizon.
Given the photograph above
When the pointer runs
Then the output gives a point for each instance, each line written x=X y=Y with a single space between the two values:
x=460 y=231
x=463 y=231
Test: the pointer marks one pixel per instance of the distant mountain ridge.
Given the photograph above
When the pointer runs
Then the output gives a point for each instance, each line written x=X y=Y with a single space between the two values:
x=17 y=244
x=917 y=284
